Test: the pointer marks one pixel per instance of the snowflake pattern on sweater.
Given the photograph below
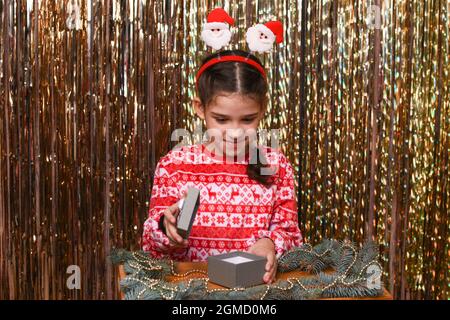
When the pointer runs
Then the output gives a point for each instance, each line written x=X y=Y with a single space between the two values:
x=235 y=211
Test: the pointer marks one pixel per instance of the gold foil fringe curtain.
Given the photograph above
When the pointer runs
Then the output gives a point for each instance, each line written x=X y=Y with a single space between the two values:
x=91 y=91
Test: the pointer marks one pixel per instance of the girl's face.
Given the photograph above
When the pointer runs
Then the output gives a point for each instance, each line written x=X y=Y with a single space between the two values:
x=231 y=123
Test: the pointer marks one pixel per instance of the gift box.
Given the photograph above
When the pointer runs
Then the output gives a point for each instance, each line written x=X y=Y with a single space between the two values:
x=188 y=210
x=236 y=269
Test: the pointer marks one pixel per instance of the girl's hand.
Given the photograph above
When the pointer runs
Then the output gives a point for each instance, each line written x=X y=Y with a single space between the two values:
x=170 y=224
x=266 y=248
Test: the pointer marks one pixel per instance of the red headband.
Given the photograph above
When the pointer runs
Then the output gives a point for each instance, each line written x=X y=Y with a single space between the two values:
x=230 y=58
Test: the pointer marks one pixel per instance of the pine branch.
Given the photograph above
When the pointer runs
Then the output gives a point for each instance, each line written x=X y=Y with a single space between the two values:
x=349 y=280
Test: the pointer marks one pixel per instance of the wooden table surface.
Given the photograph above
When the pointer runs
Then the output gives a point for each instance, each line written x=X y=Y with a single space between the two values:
x=183 y=267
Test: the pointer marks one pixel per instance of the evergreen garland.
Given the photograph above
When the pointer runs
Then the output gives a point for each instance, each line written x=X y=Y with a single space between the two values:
x=145 y=276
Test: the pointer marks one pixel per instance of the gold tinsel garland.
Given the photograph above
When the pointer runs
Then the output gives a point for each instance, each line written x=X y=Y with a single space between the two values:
x=146 y=277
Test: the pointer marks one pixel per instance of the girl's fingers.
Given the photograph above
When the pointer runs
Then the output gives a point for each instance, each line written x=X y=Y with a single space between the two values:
x=171 y=213
x=270 y=261
x=168 y=216
x=269 y=264
x=274 y=273
x=175 y=245
x=174 y=209
x=271 y=269
x=174 y=235
x=270 y=276
x=170 y=220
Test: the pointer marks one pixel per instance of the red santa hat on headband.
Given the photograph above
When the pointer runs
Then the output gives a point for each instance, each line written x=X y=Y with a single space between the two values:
x=216 y=32
x=261 y=37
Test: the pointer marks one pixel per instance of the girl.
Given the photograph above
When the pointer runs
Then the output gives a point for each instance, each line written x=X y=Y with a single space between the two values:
x=241 y=207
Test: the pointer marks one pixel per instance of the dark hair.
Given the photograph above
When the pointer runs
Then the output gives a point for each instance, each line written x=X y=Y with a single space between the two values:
x=242 y=78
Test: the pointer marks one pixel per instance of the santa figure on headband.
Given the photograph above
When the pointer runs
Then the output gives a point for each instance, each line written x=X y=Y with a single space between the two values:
x=216 y=32
x=261 y=37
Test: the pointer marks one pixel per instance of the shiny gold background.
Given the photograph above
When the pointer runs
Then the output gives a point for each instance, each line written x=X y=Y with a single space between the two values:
x=86 y=113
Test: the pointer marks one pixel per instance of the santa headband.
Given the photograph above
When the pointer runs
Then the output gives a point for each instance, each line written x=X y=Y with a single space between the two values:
x=260 y=38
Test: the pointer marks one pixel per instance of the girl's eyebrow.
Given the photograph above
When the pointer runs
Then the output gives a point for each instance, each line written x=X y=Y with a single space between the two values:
x=225 y=116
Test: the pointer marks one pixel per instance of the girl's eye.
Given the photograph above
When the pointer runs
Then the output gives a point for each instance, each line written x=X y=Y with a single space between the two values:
x=248 y=120
x=221 y=120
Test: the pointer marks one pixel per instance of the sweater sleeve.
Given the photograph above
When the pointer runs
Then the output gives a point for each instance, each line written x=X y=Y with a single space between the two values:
x=164 y=194
x=283 y=227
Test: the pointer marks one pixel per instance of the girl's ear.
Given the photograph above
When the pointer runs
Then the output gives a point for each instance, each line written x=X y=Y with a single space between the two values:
x=198 y=107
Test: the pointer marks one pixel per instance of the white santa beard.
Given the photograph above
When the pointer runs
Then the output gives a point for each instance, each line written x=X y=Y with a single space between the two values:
x=257 y=44
x=216 y=41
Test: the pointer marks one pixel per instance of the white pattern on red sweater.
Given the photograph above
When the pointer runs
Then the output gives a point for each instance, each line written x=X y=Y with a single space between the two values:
x=235 y=211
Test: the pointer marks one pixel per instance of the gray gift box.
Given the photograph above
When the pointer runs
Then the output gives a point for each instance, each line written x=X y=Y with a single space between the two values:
x=188 y=211
x=236 y=269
